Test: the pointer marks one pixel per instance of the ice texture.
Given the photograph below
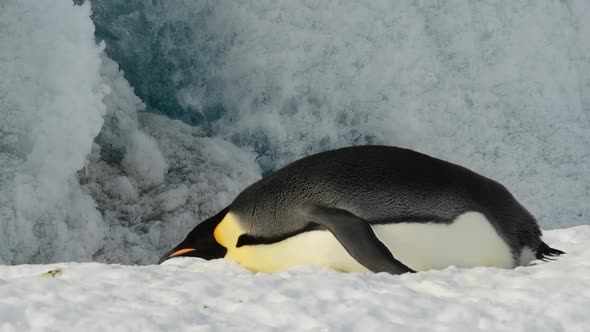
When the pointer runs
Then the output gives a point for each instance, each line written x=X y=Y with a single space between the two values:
x=50 y=112
x=500 y=87
x=75 y=189
x=145 y=219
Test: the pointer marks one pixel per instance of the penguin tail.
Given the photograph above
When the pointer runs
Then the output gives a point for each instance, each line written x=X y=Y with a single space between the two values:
x=545 y=252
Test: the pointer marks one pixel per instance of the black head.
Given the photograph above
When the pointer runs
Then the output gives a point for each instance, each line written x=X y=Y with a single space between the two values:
x=200 y=242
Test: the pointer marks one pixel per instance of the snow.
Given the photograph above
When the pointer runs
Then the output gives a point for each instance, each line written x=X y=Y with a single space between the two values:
x=143 y=160
x=73 y=189
x=50 y=112
x=188 y=294
x=146 y=217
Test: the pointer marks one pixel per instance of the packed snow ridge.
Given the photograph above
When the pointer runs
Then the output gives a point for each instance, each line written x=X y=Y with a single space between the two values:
x=188 y=294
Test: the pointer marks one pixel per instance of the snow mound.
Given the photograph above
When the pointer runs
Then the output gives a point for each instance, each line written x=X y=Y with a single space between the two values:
x=148 y=212
x=193 y=295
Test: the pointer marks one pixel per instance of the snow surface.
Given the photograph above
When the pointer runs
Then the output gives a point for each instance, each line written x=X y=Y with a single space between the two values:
x=187 y=294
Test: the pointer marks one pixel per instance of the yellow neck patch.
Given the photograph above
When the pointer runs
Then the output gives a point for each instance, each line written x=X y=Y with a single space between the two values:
x=228 y=231
x=317 y=248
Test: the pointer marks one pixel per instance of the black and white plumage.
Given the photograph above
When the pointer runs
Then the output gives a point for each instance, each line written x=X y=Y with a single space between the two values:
x=376 y=208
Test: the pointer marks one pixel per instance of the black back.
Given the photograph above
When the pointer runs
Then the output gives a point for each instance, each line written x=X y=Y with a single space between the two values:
x=380 y=184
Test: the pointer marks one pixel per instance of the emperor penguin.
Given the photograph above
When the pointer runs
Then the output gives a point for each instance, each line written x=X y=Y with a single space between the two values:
x=370 y=208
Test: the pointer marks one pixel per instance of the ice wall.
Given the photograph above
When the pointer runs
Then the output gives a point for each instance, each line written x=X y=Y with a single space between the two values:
x=146 y=218
x=84 y=173
x=502 y=87
x=153 y=178
x=50 y=111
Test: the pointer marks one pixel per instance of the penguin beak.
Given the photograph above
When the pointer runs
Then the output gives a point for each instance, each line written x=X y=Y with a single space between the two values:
x=174 y=253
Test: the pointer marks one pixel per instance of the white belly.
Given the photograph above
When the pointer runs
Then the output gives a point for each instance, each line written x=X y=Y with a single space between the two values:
x=469 y=241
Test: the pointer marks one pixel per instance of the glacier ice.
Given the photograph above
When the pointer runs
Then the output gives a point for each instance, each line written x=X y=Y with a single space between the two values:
x=73 y=189
x=500 y=87
x=50 y=111
x=204 y=175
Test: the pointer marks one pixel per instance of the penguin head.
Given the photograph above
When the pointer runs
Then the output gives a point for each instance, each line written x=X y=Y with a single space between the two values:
x=200 y=242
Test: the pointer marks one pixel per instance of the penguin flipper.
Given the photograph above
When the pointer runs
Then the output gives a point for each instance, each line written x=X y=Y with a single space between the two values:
x=357 y=237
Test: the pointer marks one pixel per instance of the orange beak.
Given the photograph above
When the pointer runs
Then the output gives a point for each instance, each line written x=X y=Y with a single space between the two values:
x=174 y=254
x=180 y=252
